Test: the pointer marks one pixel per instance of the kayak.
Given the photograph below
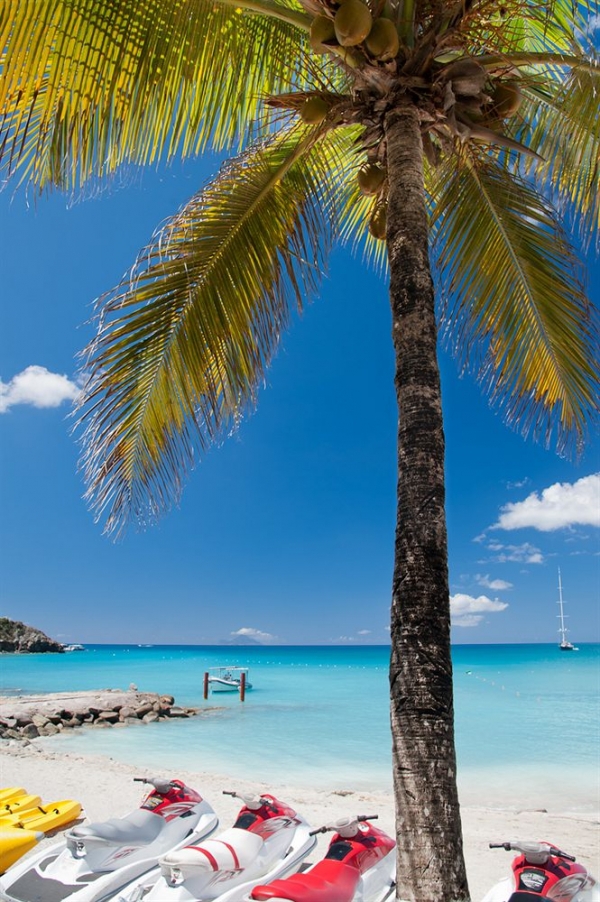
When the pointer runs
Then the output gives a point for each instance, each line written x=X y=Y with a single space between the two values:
x=10 y=792
x=45 y=817
x=14 y=843
x=19 y=803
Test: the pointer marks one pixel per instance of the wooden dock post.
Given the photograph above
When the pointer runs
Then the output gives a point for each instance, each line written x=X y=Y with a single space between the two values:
x=243 y=687
x=206 y=685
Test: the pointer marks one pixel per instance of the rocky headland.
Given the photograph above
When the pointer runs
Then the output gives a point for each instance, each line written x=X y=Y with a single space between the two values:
x=22 y=639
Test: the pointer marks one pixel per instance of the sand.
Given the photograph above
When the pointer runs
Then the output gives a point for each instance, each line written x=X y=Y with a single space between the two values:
x=105 y=788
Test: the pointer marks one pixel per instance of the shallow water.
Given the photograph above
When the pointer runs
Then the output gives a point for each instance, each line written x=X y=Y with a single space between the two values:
x=527 y=723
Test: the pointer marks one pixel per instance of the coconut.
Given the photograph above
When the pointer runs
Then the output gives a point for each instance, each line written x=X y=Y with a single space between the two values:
x=314 y=110
x=506 y=99
x=352 y=23
x=382 y=41
x=322 y=32
x=370 y=178
x=378 y=221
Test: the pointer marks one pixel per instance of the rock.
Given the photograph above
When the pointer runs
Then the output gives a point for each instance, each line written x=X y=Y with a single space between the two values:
x=20 y=638
x=30 y=731
x=40 y=720
x=110 y=716
x=49 y=729
x=150 y=717
x=70 y=723
x=177 y=712
x=23 y=720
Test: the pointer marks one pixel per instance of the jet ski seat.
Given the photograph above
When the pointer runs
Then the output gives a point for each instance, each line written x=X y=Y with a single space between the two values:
x=234 y=849
x=137 y=829
x=328 y=881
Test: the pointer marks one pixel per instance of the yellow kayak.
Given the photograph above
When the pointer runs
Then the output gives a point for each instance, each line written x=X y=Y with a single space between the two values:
x=14 y=843
x=10 y=792
x=45 y=817
x=19 y=803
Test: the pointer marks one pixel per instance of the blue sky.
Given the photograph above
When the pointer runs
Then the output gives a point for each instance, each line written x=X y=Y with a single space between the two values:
x=285 y=533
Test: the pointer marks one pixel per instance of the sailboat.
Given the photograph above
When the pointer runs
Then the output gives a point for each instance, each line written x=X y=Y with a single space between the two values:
x=564 y=645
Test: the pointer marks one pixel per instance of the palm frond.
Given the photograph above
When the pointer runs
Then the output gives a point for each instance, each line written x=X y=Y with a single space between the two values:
x=184 y=342
x=564 y=124
x=515 y=308
x=86 y=85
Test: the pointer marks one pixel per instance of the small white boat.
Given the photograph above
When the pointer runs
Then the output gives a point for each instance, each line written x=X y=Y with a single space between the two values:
x=228 y=679
x=74 y=647
x=564 y=644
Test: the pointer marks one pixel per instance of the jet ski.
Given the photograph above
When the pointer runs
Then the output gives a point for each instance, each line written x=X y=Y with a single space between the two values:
x=95 y=861
x=267 y=840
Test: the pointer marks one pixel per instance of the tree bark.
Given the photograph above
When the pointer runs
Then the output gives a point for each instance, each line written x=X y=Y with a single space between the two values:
x=430 y=853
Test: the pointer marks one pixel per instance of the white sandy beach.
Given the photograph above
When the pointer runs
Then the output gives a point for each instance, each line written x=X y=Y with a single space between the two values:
x=105 y=788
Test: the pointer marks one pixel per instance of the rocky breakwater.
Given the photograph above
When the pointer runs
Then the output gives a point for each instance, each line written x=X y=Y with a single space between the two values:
x=27 y=717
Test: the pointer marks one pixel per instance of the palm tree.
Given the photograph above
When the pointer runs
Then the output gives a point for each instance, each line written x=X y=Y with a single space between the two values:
x=464 y=132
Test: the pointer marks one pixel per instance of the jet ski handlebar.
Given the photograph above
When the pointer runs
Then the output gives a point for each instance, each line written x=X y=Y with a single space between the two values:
x=536 y=852
x=250 y=801
x=161 y=786
x=345 y=826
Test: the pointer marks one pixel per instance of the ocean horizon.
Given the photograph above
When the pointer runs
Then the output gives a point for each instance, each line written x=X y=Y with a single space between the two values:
x=526 y=715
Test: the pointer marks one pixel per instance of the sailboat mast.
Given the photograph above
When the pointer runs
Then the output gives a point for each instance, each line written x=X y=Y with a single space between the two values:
x=562 y=629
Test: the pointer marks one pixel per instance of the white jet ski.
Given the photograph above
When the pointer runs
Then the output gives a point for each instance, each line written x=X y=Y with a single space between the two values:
x=268 y=840
x=95 y=861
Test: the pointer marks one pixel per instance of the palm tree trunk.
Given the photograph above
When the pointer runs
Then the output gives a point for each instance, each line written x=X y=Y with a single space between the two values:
x=430 y=855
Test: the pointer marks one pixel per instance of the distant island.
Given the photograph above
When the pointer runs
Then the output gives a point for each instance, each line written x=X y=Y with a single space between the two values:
x=22 y=639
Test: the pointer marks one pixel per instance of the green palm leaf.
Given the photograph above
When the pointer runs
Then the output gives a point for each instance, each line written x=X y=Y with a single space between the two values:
x=184 y=343
x=565 y=131
x=87 y=85
x=515 y=306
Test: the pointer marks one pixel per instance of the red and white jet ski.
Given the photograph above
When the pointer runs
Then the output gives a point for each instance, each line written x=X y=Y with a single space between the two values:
x=359 y=866
x=267 y=840
x=94 y=861
x=541 y=871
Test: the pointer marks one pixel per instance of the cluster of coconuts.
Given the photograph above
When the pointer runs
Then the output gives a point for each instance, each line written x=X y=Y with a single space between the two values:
x=371 y=179
x=353 y=24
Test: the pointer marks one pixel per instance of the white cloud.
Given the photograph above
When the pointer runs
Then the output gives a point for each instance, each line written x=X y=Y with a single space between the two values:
x=519 y=554
x=37 y=386
x=560 y=505
x=364 y=632
x=468 y=611
x=496 y=584
x=252 y=633
x=520 y=484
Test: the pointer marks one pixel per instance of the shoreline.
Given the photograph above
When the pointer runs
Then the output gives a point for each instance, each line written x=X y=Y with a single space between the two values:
x=105 y=789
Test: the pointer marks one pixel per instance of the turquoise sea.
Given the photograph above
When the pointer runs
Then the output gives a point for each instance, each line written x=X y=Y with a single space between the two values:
x=527 y=716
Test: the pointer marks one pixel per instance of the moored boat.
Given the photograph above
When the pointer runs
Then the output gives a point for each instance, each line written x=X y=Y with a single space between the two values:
x=228 y=679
